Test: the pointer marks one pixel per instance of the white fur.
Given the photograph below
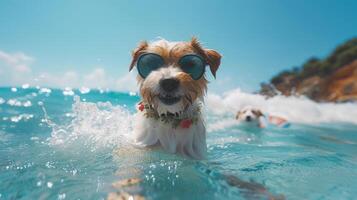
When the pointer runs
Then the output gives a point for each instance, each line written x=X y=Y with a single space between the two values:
x=186 y=141
x=164 y=43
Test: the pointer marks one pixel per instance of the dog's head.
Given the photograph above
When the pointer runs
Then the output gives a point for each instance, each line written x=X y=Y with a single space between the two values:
x=171 y=74
x=249 y=115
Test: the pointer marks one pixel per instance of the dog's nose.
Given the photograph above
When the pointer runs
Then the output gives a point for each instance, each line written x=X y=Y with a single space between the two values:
x=248 y=118
x=169 y=84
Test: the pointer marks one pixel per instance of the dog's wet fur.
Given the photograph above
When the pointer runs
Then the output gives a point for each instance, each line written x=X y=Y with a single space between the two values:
x=170 y=91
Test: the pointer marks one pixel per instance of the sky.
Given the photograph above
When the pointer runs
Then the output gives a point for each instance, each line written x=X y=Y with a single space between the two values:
x=64 y=43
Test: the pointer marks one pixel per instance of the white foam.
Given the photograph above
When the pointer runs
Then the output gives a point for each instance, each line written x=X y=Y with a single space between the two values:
x=17 y=103
x=14 y=102
x=84 y=90
x=100 y=124
x=25 y=86
x=24 y=117
x=295 y=109
x=27 y=103
x=68 y=91
x=44 y=90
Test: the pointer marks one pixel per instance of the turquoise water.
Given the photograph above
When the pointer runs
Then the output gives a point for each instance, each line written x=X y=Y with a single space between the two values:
x=55 y=146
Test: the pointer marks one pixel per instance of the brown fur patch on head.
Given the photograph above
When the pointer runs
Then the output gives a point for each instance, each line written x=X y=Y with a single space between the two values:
x=257 y=112
x=136 y=53
x=179 y=50
x=194 y=88
x=238 y=114
x=161 y=49
x=197 y=47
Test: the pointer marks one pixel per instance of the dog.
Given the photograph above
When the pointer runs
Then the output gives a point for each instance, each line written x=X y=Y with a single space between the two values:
x=255 y=117
x=172 y=85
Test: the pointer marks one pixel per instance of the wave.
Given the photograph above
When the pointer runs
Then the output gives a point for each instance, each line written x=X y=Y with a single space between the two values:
x=295 y=109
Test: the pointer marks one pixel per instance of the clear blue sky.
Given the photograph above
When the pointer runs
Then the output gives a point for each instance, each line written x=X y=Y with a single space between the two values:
x=256 y=38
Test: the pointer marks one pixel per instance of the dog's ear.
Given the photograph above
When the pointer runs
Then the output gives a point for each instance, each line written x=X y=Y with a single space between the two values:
x=258 y=113
x=136 y=52
x=213 y=58
x=238 y=113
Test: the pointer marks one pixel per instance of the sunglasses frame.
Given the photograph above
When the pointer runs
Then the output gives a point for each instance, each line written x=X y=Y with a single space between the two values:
x=200 y=57
x=140 y=57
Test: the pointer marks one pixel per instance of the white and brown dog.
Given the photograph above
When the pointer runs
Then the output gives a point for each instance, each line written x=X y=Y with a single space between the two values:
x=255 y=117
x=172 y=86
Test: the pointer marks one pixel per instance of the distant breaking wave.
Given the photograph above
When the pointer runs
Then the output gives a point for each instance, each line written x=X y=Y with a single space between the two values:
x=295 y=109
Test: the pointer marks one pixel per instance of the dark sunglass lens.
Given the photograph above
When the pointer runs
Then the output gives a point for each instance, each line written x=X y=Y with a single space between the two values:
x=148 y=63
x=193 y=65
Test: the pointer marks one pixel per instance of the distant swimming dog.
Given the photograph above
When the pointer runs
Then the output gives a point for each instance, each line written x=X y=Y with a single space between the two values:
x=171 y=77
x=253 y=116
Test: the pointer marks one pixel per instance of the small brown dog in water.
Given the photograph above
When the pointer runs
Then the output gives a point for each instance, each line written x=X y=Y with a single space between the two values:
x=255 y=117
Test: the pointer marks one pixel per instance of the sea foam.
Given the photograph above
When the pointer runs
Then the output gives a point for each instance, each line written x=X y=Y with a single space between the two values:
x=295 y=109
x=99 y=124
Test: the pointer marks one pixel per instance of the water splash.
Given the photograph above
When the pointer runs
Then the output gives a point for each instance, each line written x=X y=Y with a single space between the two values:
x=44 y=90
x=68 y=91
x=24 y=117
x=97 y=124
x=15 y=102
x=84 y=90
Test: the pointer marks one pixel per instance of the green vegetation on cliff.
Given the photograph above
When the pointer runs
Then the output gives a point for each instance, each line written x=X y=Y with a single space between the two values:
x=333 y=78
x=341 y=56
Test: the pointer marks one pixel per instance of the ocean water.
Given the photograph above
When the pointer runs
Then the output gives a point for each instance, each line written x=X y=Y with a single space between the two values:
x=73 y=144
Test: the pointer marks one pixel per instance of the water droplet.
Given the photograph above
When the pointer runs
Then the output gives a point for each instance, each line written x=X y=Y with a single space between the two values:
x=68 y=91
x=45 y=90
x=61 y=196
x=27 y=103
x=49 y=185
x=39 y=183
x=25 y=86
x=84 y=90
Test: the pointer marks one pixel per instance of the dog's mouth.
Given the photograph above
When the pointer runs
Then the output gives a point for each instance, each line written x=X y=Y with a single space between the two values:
x=169 y=99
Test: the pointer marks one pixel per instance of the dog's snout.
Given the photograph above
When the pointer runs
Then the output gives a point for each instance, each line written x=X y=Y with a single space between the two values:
x=248 y=118
x=169 y=84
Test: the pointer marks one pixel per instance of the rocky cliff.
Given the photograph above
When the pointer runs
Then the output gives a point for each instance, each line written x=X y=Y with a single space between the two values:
x=331 y=79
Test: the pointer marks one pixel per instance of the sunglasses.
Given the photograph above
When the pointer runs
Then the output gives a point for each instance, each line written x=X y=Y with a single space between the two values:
x=191 y=64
